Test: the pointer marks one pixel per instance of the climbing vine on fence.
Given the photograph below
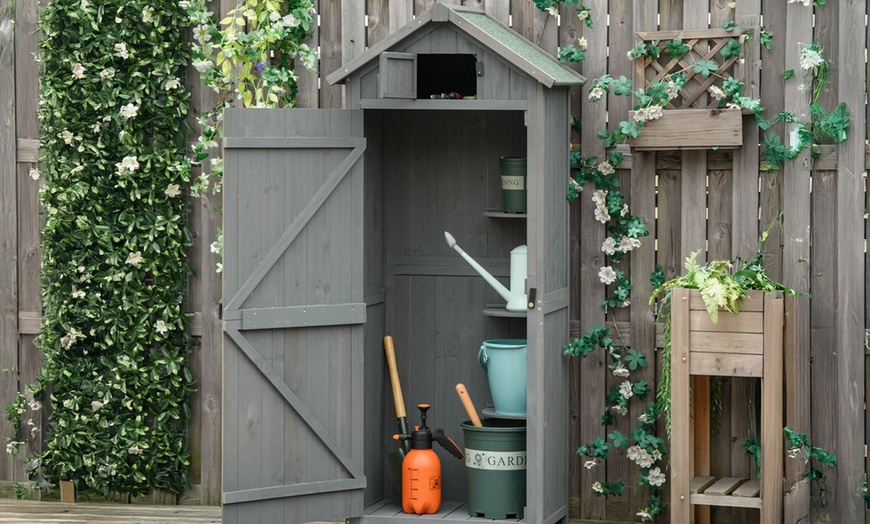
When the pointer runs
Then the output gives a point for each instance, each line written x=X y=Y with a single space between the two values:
x=114 y=267
x=625 y=230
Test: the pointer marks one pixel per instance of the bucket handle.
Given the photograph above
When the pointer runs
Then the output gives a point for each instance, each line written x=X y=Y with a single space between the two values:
x=483 y=358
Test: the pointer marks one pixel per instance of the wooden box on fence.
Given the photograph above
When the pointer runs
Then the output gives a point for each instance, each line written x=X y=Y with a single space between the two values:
x=692 y=119
x=692 y=129
x=334 y=227
x=746 y=344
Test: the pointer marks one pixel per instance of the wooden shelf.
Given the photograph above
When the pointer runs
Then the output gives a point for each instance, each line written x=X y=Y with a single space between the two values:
x=500 y=311
x=729 y=492
x=440 y=105
x=490 y=411
x=450 y=511
x=497 y=213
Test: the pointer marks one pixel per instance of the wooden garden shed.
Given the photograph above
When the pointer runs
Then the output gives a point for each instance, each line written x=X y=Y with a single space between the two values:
x=333 y=238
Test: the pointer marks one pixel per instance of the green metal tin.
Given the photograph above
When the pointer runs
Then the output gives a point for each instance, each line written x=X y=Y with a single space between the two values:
x=513 y=184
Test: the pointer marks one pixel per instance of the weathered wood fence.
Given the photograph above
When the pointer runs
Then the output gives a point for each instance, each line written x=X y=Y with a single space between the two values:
x=718 y=201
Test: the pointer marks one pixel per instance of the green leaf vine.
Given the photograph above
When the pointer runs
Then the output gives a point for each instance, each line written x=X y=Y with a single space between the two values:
x=114 y=262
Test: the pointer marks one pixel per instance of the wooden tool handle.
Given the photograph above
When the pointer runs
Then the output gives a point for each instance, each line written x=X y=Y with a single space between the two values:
x=398 y=398
x=468 y=405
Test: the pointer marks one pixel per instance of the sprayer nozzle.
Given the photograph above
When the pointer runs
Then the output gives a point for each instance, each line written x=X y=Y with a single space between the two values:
x=450 y=240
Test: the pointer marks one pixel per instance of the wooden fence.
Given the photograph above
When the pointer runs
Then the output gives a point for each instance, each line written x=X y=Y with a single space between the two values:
x=718 y=201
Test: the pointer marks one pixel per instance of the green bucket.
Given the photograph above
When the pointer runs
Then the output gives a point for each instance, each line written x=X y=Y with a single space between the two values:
x=495 y=463
x=513 y=184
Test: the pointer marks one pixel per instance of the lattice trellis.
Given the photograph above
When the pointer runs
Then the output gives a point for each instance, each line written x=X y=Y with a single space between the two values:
x=704 y=44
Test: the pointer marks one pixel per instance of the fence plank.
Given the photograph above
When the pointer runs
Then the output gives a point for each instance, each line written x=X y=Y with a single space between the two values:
x=9 y=231
x=332 y=49
x=593 y=367
x=851 y=31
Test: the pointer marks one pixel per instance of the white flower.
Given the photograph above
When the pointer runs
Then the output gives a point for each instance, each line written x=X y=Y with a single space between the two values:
x=274 y=16
x=35 y=405
x=78 y=293
x=654 y=112
x=289 y=21
x=644 y=459
x=130 y=163
x=810 y=59
x=589 y=464
x=172 y=190
x=624 y=210
x=793 y=452
x=78 y=70
x=583 y=15
x=599 y=197
x=67 y=136
x=582 y=43
x=121 y=50
x=716 y=92
x=161 y=327
x=34 y=173
x=595 y=94
x=640 y=115
x=76 y=169
x=172 y=83
x=134 y=259
x=806 y=3
x=620 y=372
x=96 y=405
x=68 y=404
x=644 y=418
x=794 y=139
x=609 y=246
x=148 y=15
x=607 y=275
x=129 y=111
x=656 y=454
x=672 y=91
x=622 y=410
x=553 y=10
x=597 y=487
x=215 y=248
x=625 y=390
x=626 y=244
x=135 y=450
x=656 y=477
x=601 y=214
x=644 y=515
x=203 y=65
x=201 y=34
x=108 y=72
x=184 y=4
x=605 y=168
x=732 y=5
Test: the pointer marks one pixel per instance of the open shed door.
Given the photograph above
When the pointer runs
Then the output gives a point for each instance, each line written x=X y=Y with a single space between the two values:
x=293 y=315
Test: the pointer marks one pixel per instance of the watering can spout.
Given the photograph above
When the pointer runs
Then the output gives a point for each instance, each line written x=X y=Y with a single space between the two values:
x=515 y=296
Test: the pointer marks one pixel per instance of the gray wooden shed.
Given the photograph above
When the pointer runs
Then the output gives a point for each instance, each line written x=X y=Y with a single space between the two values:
x=333 y=238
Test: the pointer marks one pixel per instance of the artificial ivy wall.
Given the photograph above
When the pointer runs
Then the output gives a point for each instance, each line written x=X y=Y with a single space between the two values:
x=114 y=271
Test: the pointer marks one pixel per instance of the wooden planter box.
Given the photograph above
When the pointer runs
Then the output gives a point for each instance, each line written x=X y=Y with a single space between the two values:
x=692 y=129
x=747 y=344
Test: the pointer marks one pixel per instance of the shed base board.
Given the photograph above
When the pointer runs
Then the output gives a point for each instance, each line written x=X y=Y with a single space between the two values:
x=389 y=511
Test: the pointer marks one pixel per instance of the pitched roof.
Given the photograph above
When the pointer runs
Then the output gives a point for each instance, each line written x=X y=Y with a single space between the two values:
x=484 y=29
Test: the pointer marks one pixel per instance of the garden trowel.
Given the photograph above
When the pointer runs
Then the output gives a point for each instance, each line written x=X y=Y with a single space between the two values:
x=396 y=457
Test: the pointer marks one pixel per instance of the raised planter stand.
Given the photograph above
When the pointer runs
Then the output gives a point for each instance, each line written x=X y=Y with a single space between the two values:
x=747 y=344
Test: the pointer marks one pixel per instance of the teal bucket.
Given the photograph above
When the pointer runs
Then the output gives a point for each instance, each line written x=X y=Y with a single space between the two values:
x=504 y=361
x=495 y=464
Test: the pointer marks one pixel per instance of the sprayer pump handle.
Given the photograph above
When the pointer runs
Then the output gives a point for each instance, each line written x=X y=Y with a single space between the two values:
x=447 y=443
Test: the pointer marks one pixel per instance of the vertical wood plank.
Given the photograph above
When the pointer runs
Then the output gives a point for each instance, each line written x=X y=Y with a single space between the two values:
x=401 y=12
x=681 y=460
x=771 y=411
x=851 y=30
x=333 y=48
x=796 y=504
x=353 y=34
x=9 y=230
x=26 y=78
x=593 y=368
x=379 y=26
x=797 y=257
x=308 y=88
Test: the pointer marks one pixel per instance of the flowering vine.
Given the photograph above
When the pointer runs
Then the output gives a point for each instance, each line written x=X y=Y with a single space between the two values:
x=114 y=273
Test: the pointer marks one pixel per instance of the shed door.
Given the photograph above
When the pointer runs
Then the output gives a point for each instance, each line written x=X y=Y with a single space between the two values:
x=293 y=315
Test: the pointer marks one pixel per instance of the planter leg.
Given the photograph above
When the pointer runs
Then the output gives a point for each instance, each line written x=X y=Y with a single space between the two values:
x=67 y=491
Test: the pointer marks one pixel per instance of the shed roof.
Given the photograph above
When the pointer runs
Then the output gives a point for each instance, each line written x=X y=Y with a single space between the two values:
x=484 y=29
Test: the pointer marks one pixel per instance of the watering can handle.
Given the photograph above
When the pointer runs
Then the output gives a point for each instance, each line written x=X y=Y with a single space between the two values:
x=483 y=358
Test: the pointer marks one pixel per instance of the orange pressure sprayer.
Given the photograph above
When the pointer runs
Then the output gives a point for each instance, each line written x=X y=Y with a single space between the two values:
x=421 y=469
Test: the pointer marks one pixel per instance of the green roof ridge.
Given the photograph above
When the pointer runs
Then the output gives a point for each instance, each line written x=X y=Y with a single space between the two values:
x=531 y=53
